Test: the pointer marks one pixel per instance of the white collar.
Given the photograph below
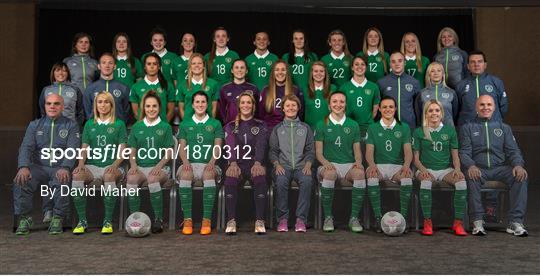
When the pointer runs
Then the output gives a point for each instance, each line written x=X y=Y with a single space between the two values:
x=100 y=122
x=193 y=81
x=151 y=82
x=392 y=125
x=374 y=53
x=410 y=58
x=340 y=122
x=162 y=53
x=184 y=58
x=299 y=55
x=222 y=54
x=319 y=87
x=436 y=129
x=121 y=58
x=359 y=84
x=263 y=55
x=194 y=117
x=337 y=57
x=148 y=124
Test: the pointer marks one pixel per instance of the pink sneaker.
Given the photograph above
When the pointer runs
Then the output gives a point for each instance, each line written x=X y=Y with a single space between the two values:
x=283 y=226
x=300 y=226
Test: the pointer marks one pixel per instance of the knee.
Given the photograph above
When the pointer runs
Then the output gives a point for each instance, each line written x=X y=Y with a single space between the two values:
x=132 y=179
x=209 y=175
x=106 y=177
x=330 y=175
x=78 y=177
x=357 y=174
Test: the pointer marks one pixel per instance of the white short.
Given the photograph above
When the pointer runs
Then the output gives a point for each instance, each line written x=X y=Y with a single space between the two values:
x=147 y=170
x=342 y=170
x=388 y=170
x=98 y=172
x=198 y=171
x=438 y=174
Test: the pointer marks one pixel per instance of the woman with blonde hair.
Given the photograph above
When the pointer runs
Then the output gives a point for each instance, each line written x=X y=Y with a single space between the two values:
x=453 y=59
x=373 y=50
x=415 y=63
x=436 y=157
x=338 y=60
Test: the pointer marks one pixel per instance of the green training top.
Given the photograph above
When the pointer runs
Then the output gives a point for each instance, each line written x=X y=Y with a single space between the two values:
x=436 y=154
x=389 y=143
x=200 y=138
x=316 y=109
x=99 y=136
x=338 y=140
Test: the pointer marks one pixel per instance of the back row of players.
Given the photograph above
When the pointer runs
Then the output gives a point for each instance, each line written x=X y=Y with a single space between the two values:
x=341 y=119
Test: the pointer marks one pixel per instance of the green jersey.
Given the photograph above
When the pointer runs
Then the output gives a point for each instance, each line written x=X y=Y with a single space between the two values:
x=435 y=154
x=200 y=138
x=338 y=68
x=158 y=138
x=300 y=69
x=185 y=94
x=259 y=68
x=97 y=135
x=360 y=101
x=221 y=67
x=124 y=72
x=317 y=107
x=181 y=70
x=388 y=142
x=411 y=68
x=165 y=95
x=338 y=139
x=168 y=65
x=376 y=65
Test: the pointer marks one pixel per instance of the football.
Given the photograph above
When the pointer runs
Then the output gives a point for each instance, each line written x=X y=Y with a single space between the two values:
x=138 y=225
x=393 y=224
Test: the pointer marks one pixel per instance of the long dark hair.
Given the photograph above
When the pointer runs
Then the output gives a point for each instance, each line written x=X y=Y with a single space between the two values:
x=307 y=52
x=76 y=38
x=60 y=65
x=149 y=94
x=213 y=51
x=129 y=53
x=162 y=81
x=379 y=115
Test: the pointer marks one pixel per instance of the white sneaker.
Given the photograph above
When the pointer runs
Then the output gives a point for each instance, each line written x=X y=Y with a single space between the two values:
x=47 y=217
x=231 y=227
x=478 y=229
x=259 y=227
x=517 y=229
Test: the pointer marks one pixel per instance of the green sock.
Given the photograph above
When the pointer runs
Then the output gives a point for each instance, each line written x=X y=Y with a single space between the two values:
x=134 y=199
x=425 y=201
x=109 y=201
x=357 y=198
x=460 y=197
x=374 y=192
x=405 y=198
x=209 y=194
x=156 y=199
x=327 y=197
x=186 y=198
x=80 y=205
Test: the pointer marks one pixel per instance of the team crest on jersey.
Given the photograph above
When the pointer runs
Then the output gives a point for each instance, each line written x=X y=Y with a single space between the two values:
x=110 y=130
x=397 y=134
x=63 y=133
x=445 y=95
x=498 y=132
x=92 y=130
x=378 y=59
x=467 y=88
x=70 y=94
x=347 y=130
x=269 y=62
x=190 y=128
x=159 y=90
x=408 y=87
x=444 y=137
x=116 y=93
x=455 y=58
x=255 y=130
x=489 y=88
x=368 y=91
x=160 y=132
x=229 y=94
x=128 y=65
x=346 y=63
x=228 y=59
x=209 y=128
x=74 y=64
x=253 y=63
x=351 y=91
x=380 y=134
x=141 y=131
x=301 y=132
x=167 y=62
x=330 y=64
x=206 y=89
x=329 y=129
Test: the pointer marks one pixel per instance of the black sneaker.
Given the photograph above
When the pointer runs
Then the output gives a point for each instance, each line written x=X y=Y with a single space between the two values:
x=378 y=228
x=157 y=226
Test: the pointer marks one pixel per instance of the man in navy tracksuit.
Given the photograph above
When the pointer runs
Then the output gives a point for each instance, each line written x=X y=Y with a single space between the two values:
x=488 y=151
x=37 y=170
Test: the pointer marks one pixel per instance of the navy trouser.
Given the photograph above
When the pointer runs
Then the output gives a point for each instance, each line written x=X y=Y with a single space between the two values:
x=518 y=193
x=305 y=182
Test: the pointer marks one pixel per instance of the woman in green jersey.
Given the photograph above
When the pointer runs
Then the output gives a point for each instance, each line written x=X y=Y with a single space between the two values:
x=300 y=58
x=188 y=46
x=128 y=68
x=338 y=61
x=415 y=63
x=373 y=49
x=220 y=58
x=317 y=94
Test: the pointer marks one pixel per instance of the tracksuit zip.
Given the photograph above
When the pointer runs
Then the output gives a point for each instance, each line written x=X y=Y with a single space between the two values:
x=487 y=140
x=83 y=72
x=51 y=143
x=292 y=145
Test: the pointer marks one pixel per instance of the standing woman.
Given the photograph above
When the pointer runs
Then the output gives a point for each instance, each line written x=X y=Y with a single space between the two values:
x=60 y=84
x=280 y=85
x=246 y=138
x=300 y=59
x=128 y=68
x=415 y=63
x=260 y=62
x=188 y=46
x=389 y=156
x=337 y=146
x=373 y=49
x=102 y=131
x=158 y=40
x=219 y=60
x=338 y=61
x=436 y=156
x=363 y=96
x=199 y=136
x=82 y=65
x=155 y=81
x=197 y=81
x=292 y=152
x=148 y=136
x=436 y=89
x=317 y=94
x=451 y=57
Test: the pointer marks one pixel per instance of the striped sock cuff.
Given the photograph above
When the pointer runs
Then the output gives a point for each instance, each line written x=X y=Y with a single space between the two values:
x=360 y=184
x=406 y=181
x=373 y=182
x=154 y=187
x=209 y=183
x=329 y=184
x=425 y=184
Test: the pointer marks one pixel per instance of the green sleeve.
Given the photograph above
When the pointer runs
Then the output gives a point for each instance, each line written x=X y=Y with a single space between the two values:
x=319 y=133
x=219 y=130
x=314 y=56
x=377 y=95
x=133 y=96
x=132 y=140
x=356 y=132
x=406 y=134
x=454 y=144
x=139 y=72
x=333 y=88
x=169 y=135
x=359 y=54
x=171 y=93
x=214 y=90
x=180 y=93
x=182 y=134
x=416 y=142
x=369 y=139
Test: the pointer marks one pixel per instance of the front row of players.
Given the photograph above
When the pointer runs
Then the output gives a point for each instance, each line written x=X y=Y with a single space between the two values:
x=488 y=151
